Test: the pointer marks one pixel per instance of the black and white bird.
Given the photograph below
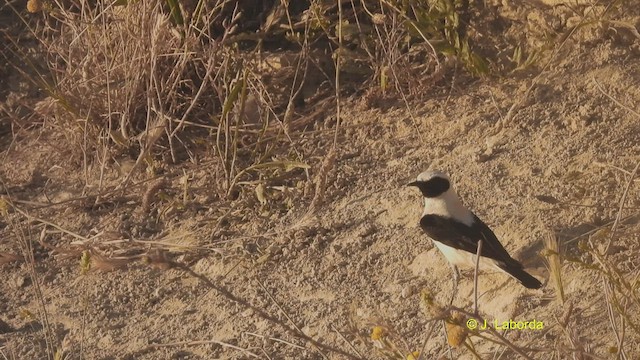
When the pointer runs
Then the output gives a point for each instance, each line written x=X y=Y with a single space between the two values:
x=456 y=231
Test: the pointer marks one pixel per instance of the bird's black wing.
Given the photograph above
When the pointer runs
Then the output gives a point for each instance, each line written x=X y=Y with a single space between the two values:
x=462 y=237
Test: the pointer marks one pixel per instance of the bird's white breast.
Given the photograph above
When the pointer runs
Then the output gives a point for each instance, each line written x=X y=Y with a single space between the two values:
x=448 y=205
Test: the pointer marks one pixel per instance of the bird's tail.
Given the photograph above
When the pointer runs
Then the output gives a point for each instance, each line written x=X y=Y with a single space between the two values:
x=524 y=277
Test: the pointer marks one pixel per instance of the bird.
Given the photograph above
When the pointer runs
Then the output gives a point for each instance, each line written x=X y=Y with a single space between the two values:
x=456 y=231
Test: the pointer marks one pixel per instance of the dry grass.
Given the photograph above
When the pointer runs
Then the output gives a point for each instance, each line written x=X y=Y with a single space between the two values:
x=26 y=239
x=132 y=90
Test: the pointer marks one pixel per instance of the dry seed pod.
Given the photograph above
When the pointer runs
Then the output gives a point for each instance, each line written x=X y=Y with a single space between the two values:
x=456 y=334
x=34 y=6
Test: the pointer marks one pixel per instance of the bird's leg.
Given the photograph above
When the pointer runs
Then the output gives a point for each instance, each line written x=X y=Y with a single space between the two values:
x=456 y=277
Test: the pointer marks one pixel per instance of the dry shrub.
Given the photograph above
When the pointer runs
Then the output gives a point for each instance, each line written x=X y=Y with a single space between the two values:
x=134 y=80
x=120 y=70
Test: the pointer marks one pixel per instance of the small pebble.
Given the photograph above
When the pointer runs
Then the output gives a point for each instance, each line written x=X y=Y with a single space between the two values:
x=408 y=291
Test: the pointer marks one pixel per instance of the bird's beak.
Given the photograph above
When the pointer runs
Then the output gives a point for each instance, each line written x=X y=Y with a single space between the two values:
x=413 y=183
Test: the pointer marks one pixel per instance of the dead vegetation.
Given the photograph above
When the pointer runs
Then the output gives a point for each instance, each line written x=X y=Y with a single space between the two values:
x=230 y=114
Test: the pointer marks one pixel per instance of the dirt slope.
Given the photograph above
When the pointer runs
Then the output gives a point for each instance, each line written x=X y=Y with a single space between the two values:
x=560 y=162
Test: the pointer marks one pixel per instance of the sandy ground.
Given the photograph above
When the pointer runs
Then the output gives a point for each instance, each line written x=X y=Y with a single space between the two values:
x=254 y=276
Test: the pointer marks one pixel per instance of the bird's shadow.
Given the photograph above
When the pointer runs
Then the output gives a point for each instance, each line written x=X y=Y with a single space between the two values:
x=568 y=237
x=529 y=255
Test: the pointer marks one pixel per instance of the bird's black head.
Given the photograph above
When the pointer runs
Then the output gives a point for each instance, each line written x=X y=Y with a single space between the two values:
x=432 y=183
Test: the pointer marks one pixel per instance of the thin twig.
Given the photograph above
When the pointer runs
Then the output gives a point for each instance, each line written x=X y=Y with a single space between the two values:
x=612 y=321
x=613 y=99
x=69 y=232
x=446 y=339
x=275 y=339
x=294 y=331
x=265 y=354
x=600 y=227
x=26 y=246
x=424 y=344
x=492 y=331
x=3 y=354
x=622 y=201
x=204 y=342
x=347 y=341
x=475 y=278
x=287 y=316
x=613 y=167
x=337 y=78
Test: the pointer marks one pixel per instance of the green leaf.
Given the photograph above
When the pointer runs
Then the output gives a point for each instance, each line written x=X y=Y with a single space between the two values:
x=176 y=14
x=232 y=97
